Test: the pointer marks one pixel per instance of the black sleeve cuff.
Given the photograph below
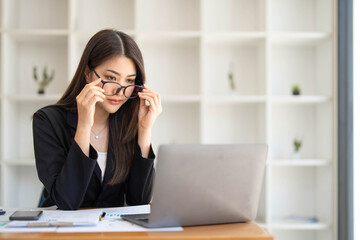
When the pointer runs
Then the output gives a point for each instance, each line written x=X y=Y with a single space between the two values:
x=138 y=154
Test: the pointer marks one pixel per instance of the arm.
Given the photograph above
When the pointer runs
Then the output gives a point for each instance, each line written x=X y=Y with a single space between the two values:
x=147 y=117
x=65 y=175
x=139 y=183
x=140 y=179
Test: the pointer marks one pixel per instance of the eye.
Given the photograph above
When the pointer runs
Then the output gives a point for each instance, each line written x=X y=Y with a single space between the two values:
x=110 y=78
x=131 y=81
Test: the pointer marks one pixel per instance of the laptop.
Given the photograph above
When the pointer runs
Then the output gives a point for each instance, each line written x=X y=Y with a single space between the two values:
x=198 y=184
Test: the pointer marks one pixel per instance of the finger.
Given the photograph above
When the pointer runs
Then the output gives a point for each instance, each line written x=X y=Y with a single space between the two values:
x=95 y=82
x=151 y=101
x=142 y=102
x=159 y=102
x=153 y=96
x=89 y=88
x=97 y=89
x=91 y=94
x=148 y=90
x=158 y=97
x=94 y=100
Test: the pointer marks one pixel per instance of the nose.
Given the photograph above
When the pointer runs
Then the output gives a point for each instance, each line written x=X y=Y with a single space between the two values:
x=119 y=91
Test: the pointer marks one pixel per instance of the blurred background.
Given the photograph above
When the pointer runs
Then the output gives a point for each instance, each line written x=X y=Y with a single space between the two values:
x=228 y=71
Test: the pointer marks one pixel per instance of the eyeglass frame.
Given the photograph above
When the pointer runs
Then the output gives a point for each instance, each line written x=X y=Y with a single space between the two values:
x=119 y=89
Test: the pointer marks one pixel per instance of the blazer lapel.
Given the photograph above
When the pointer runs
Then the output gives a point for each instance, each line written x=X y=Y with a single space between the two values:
x=72 y=119
x=97 y=172
x=109 y=165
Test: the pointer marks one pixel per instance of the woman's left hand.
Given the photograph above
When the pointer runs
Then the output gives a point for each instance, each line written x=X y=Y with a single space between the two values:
x=148 y=114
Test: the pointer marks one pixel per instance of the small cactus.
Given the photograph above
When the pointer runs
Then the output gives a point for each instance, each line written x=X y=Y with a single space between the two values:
x=296 y=89
x=231 y=77
x=46 y=78
x=297 y=145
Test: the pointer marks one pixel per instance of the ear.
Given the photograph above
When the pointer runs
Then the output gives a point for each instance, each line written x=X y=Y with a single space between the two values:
x=88 y=74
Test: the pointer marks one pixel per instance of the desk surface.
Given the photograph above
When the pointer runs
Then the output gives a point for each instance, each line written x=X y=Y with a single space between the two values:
x=242 y=231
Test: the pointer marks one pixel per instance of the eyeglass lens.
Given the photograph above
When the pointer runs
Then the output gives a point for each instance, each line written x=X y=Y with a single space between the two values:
x=112 y=89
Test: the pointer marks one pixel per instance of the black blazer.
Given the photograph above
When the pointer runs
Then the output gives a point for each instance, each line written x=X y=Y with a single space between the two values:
x=73 y=180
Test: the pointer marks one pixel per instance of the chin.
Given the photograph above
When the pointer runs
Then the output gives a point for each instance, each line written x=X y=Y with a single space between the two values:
x=112 y=109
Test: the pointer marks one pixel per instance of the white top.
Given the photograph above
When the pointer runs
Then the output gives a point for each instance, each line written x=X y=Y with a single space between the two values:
x=102 y=163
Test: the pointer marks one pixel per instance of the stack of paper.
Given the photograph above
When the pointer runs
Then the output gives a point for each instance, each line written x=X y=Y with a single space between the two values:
x=80 y=221
x=62 y=218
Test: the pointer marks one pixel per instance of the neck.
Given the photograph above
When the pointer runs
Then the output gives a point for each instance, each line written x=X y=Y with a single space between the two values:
x=100 y=117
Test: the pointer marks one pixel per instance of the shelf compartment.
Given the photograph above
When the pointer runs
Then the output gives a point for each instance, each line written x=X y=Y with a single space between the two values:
x=22 y=187
x=35 y=14
x=17 y=129
x=234 y=123
x=96 y=15
x=234 y=15
x=299 y=226
x=234 y=98
x=34 y=98
x=180 y=15
x=300 y=99
x=301 y=234
x=245 y=58
x=179 y=123
x=181 y=99
x=234 y=37
x=172 y=66
x=300 y=15
x=306 y=192
x=311 y=123
x=34 y=34
x=20 y=162
x=306 y=63
x=23 y=52
x=299 y=162
x=296 y=38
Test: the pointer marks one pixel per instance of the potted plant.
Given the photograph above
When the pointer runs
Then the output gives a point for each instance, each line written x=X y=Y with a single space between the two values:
x=46 y=79
x=297 y=146
x=296 y=89
x=231 y=79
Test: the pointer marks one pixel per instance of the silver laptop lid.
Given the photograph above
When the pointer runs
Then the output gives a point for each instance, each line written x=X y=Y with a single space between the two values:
x=207 y=184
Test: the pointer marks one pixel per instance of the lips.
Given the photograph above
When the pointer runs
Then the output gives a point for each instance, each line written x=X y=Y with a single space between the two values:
x=114 y=102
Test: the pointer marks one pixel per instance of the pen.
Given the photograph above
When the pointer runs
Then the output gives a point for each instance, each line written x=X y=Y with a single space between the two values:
x=49 y=224
x=102 y=216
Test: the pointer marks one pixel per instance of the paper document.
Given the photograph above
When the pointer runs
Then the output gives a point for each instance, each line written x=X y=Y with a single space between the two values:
x=114 y=223
x=117 y=212
x=84 y=220
x=62 y=218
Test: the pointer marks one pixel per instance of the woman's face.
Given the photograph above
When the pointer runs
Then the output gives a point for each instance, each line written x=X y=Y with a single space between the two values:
x=121 y=70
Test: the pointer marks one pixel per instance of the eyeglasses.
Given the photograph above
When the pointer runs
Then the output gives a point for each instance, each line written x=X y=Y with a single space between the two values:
x=113 y=88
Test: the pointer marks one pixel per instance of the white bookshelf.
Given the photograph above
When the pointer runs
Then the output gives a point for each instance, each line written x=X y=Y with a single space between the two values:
x=189 y=47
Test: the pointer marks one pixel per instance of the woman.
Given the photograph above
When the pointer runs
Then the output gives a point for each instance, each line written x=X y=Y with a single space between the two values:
x=92 y=147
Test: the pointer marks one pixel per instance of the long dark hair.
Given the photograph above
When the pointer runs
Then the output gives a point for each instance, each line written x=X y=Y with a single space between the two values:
x=123 y=125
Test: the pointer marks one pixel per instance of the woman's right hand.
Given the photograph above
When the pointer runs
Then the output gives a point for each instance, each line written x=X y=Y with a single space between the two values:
x=86 y=100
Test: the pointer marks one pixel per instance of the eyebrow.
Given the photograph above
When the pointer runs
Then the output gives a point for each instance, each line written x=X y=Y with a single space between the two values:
x=110 y=70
